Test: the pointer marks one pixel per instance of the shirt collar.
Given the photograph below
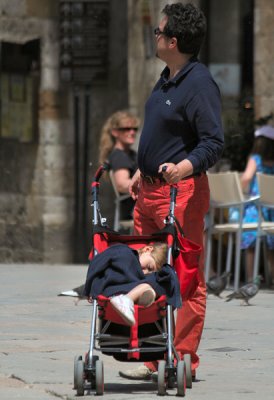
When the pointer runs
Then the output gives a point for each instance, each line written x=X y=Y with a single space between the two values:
x=181 y=74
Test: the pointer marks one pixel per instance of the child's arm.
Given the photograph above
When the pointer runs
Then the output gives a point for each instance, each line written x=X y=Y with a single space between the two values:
x=248 y=173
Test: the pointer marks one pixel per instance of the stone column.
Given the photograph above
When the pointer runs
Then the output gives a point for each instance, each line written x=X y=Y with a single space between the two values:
x=263 y=57
x=224 y=33
x=55 y=162
x=143 y=67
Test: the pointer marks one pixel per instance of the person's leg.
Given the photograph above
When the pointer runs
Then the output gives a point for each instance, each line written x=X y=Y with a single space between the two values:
x=142 y=294
x=190 y=318
x=123 y=304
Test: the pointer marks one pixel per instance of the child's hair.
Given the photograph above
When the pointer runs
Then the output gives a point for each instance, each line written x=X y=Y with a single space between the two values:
x=264 y=147
x=159 y=253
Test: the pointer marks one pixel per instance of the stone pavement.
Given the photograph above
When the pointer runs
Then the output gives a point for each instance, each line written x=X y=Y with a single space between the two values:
x=41 y=333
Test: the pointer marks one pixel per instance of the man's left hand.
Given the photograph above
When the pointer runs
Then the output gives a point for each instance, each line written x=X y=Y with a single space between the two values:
x=171 y=173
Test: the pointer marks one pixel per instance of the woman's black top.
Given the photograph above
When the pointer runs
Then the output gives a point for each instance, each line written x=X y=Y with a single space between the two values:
x=119 y=159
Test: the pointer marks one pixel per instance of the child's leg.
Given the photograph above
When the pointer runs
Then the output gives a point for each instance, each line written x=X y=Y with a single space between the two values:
x=142 y=294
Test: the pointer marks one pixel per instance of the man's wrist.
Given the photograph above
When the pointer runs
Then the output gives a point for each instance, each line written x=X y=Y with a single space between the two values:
x=185 y=168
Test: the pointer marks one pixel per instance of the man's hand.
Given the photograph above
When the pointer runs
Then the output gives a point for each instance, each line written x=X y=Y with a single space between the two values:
x=173 y=173
x=134 y=185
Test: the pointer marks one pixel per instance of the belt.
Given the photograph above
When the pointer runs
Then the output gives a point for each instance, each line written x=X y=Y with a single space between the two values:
x=159 y=179
x=153 y=179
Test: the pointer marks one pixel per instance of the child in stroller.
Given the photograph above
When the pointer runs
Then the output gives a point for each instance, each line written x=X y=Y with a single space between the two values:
x=121 y=273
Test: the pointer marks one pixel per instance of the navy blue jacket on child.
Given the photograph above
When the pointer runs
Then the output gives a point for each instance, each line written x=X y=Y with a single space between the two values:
x=117 y=270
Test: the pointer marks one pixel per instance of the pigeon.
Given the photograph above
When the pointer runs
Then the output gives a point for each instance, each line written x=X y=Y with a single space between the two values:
x=76 y=292
x=246 y=292
x=217 y=284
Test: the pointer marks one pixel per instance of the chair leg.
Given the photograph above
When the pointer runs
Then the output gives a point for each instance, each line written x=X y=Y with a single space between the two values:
x=237 y=260
x=219 y=259
x=257 y=256
x=229 y=256
x=266 y=265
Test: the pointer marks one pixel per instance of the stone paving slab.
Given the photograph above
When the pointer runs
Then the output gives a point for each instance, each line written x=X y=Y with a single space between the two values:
x=40 y=333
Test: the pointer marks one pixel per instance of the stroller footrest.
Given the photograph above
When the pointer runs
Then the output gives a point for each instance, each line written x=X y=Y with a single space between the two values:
x=143 y=315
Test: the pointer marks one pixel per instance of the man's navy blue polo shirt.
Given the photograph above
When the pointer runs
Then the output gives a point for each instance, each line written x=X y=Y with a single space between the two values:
x=182 y=121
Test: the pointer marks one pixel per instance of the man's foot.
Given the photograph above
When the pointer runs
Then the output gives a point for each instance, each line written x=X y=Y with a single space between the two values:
x=124 y=306
x=147 y=298
x=141 y=373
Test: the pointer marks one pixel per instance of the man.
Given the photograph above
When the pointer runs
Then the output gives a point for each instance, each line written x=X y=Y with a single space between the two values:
x=183 y=132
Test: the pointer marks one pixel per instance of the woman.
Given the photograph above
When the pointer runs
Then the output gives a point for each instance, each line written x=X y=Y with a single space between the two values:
x=117 y=136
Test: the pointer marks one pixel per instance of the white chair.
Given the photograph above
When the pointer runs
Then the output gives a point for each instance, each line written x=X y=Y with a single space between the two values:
x=120 y=223
x=226 y=192
x=266 y=188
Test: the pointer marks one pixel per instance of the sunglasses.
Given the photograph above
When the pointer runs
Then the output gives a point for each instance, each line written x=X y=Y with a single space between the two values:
x=128 y=128
x=157 y=31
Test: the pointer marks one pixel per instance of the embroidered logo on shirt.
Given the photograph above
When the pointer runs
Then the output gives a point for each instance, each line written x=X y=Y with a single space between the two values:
x=168 y=102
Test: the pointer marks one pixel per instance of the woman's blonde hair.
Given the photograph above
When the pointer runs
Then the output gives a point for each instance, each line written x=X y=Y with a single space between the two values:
x=107 y=141
x=158 y=253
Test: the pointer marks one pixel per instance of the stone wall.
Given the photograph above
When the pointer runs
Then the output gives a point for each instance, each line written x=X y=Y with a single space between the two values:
x=37 y=184
x=263 y=57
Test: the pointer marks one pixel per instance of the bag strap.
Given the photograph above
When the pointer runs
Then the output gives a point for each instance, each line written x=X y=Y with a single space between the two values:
x=178 y=226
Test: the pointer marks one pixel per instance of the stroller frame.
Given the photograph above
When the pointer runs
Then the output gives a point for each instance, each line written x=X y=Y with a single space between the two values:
x=89 y=373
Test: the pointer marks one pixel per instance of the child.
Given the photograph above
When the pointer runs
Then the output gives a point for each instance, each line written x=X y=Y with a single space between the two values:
x=129 y=276
x=260 y=160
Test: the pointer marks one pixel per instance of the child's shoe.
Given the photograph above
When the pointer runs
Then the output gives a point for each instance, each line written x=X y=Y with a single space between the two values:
x=124 y=307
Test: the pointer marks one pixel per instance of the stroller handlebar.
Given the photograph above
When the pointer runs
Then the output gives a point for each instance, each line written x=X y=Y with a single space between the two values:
x=173 y=188
x=99 y=172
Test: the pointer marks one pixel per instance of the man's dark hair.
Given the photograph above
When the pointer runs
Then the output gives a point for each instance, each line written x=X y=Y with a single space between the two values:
x=188 y=24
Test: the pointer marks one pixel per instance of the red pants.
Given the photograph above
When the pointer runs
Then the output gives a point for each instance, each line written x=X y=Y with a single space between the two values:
x=192 y=204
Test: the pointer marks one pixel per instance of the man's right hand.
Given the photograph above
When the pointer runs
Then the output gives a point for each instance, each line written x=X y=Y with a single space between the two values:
x=134 y=185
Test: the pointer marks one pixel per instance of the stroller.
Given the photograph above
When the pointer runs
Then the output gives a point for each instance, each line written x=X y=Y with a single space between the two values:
x=151 y=338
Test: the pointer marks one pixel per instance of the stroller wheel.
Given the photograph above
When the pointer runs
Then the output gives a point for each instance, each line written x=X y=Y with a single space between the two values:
x=79 y=377
x=187 y=360
x=162 y=378
x=76 y=358
x=90 y=369
x=99 y=377
x=171 y=382
x=181 y=378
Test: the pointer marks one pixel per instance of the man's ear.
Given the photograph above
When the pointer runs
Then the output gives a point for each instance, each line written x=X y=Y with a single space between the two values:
x=173 y=42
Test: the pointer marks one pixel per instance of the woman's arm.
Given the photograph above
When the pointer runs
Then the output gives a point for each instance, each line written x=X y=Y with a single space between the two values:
x=122 y=180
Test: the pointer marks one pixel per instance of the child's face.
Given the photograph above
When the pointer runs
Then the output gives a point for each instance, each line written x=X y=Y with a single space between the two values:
x=147 y=262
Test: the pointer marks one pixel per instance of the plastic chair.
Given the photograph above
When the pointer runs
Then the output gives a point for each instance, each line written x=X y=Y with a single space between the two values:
x=226 y=192
x=266 y=188
x=120 y=223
